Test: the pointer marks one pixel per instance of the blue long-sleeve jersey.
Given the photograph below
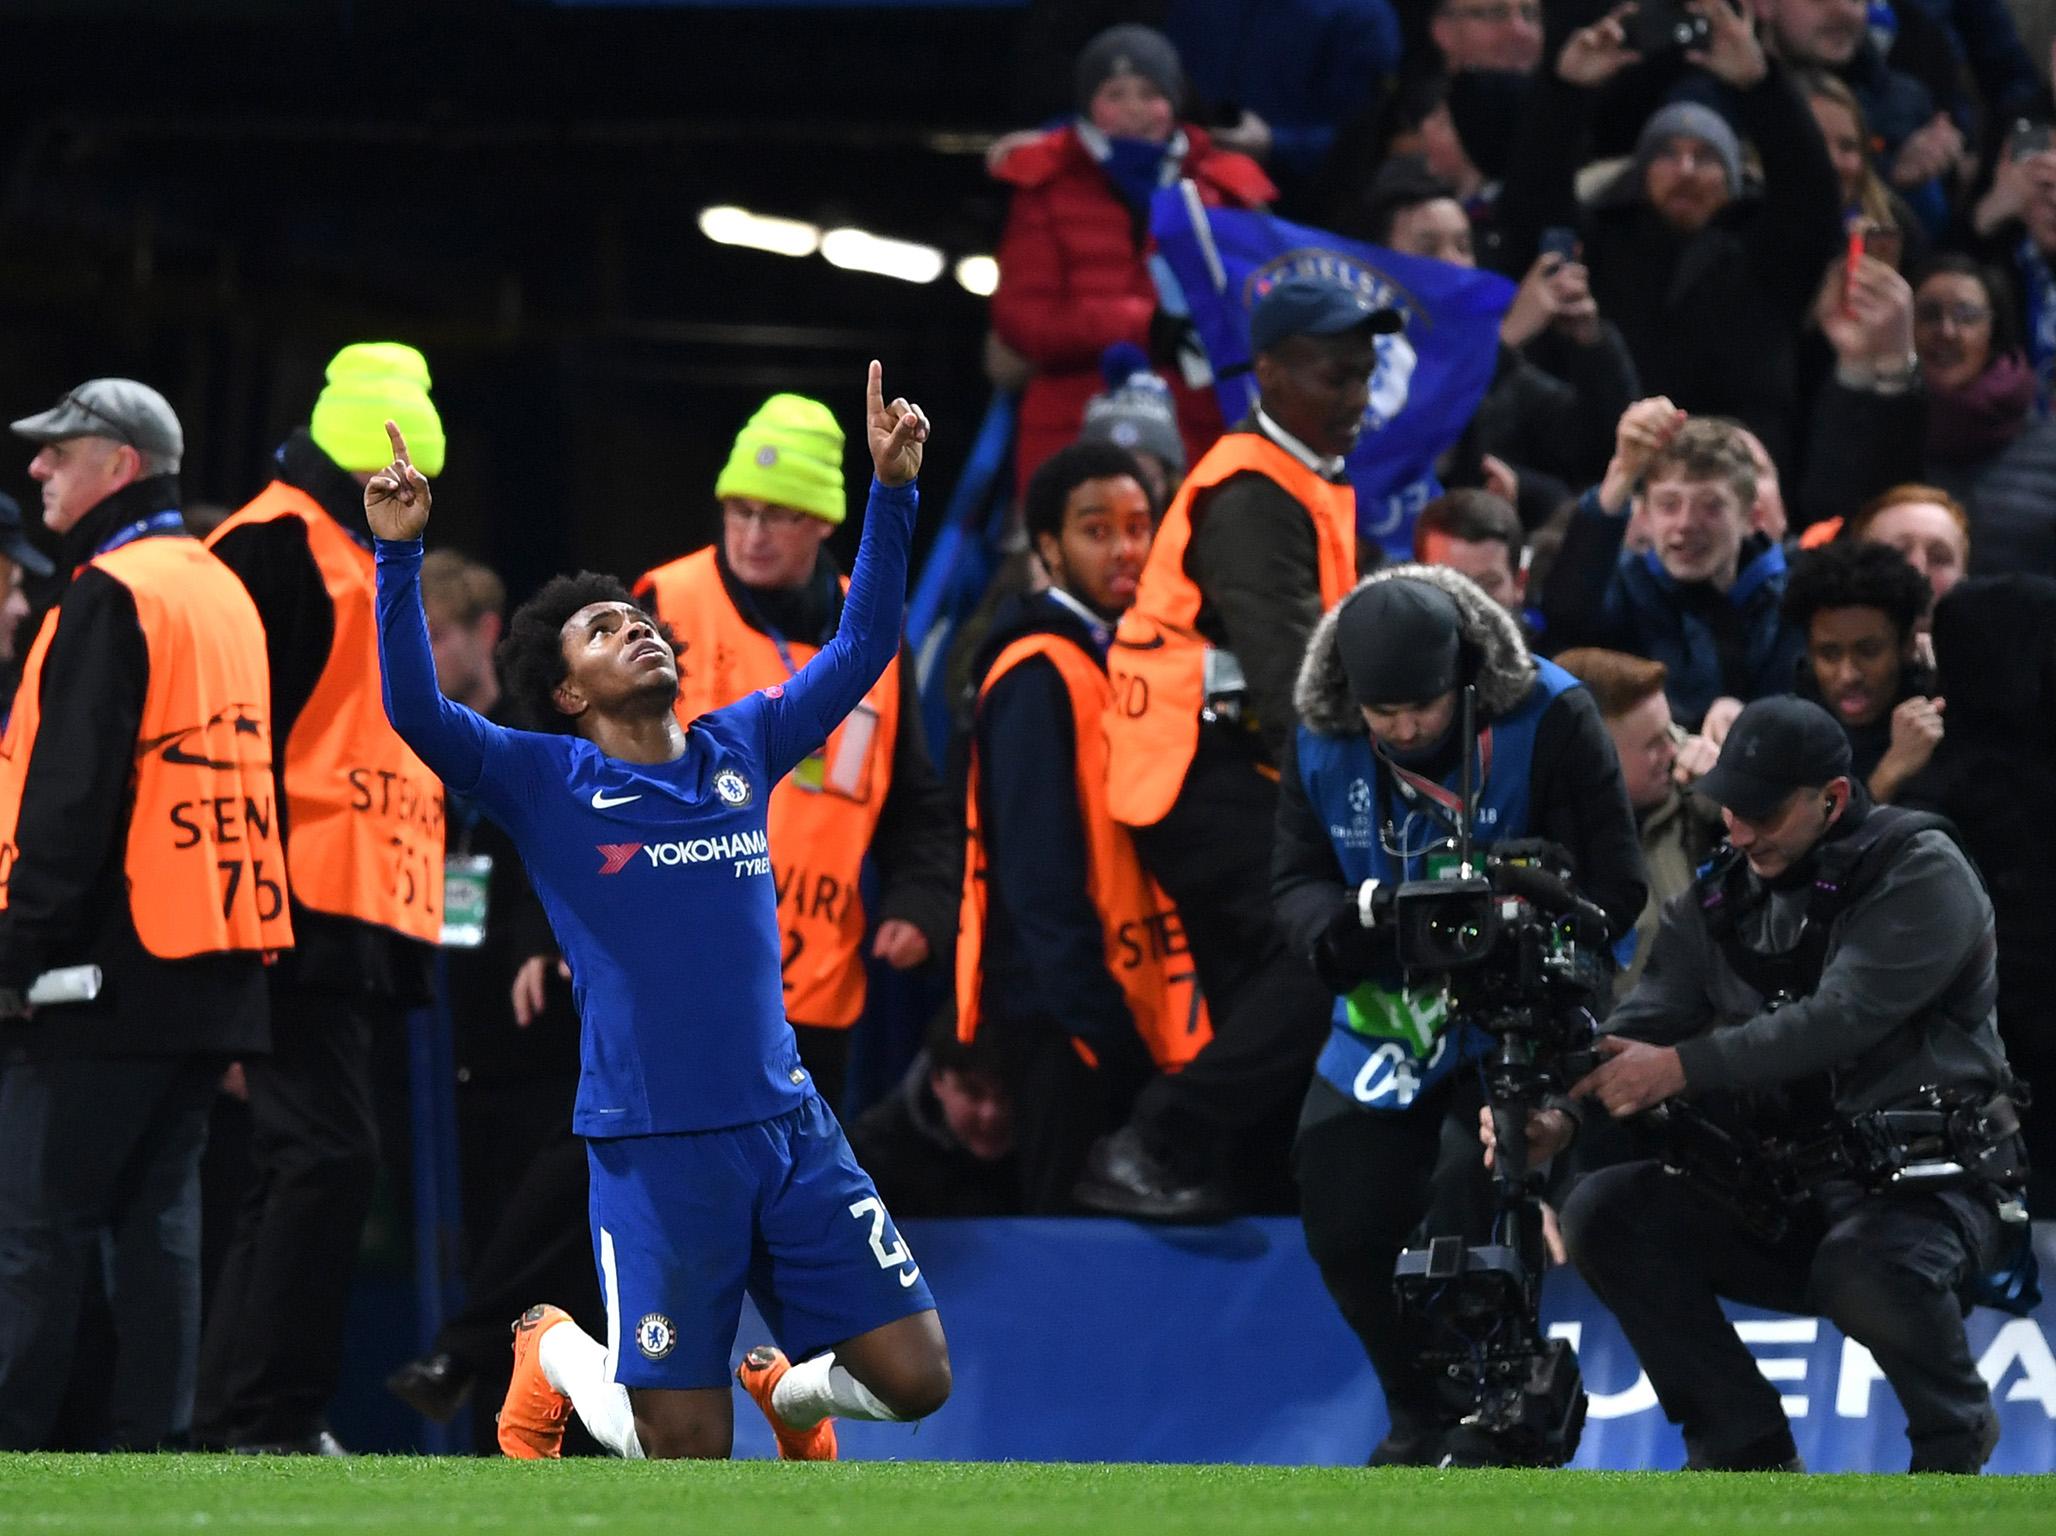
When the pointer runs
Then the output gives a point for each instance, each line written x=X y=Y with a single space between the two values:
x=657 y=877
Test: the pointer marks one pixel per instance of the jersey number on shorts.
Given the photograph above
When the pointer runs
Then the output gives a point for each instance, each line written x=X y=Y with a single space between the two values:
x=896 y=1255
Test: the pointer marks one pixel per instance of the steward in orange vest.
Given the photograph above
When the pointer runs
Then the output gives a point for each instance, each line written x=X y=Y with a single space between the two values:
x=1072 y=964
x=1258 y=542
x=748 y=612
x=139 y=850
x=363 y=830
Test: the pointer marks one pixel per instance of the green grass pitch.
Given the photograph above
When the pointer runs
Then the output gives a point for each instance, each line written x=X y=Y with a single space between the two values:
x=137 y=1495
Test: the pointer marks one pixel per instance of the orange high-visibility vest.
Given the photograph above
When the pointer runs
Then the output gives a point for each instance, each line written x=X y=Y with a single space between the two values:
x=202 y=860
x=822 y=814
x=364 y=815
x=1145 y=941
x=1158 y=660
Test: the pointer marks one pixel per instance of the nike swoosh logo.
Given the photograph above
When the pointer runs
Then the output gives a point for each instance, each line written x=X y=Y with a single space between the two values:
x=909 y=1276
x=601 y=802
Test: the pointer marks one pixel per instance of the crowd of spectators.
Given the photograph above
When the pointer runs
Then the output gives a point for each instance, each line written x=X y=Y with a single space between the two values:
x=1770 y=413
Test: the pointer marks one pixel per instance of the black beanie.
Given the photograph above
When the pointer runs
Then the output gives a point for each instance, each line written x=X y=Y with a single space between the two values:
x=1128 y=50
x=1401 y=642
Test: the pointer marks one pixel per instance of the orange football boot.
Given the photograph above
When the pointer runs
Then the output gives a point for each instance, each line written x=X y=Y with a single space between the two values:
x=532 y=1418
x=760 y=1372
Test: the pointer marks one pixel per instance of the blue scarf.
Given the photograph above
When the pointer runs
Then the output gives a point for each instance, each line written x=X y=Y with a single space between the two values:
x=1136 y=168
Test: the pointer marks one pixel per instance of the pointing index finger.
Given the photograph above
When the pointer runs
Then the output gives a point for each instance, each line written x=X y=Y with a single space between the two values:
x=874 y=389
x=399 y=444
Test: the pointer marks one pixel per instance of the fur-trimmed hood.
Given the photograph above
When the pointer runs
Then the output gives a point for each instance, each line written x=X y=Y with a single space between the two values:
x=1505 y=674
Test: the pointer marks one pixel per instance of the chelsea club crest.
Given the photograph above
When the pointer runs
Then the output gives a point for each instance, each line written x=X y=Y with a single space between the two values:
x=655 y=1336
x=732 y=788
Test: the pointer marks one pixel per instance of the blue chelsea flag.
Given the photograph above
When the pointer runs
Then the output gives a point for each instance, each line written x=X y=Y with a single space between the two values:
x=1430 y=376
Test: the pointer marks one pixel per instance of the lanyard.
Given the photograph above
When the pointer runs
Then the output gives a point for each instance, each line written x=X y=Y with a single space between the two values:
x=1443 y=803
x=156 y=522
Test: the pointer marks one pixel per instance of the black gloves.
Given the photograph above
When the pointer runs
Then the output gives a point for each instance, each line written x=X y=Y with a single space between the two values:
x=1347 y=952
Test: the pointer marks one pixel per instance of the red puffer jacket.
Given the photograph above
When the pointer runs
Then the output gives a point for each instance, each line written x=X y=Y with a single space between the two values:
x=1074 y=279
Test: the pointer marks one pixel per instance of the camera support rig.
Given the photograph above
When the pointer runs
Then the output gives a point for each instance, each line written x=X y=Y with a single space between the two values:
x=1514 y=947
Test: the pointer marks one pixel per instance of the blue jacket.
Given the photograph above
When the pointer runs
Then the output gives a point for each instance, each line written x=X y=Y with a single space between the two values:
x=1553 y=774
x=1735 y=642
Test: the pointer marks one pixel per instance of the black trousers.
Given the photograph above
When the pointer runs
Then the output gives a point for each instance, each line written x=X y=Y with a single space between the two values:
x=1212 y=855
x=1368 y=1180
x=100 y=1170
x=1884 y=1269
x=271 y=1356
x=1060 y=1104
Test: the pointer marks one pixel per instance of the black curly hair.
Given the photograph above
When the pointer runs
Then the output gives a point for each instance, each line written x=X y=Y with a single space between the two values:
x=531 y=658
x=1844 y=575
x=1050 y=487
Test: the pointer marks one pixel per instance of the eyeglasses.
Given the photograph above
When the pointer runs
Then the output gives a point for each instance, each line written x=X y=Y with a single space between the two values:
x=1964 y=315
x=763 y=516
x=1499 y=12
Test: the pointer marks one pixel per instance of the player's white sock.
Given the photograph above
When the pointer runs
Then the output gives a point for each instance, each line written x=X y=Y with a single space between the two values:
x=575 y=1364
x=820 y=1389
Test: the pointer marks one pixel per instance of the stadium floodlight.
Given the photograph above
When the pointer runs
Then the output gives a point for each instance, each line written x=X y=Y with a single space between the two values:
x=979 y=275
x=858 y=250
x=729 y=225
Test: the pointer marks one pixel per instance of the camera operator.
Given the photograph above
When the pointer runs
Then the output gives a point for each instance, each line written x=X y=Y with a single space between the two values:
x=1841 y=953
x=1369 y=799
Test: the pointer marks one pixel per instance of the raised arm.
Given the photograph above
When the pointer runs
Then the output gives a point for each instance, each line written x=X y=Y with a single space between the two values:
x=452 y=740
x=797 y=717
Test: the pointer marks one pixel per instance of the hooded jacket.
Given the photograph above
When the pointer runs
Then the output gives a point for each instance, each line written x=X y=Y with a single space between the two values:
x=1573 y=793
x=1075 y=279
x=1735 y=642
x=1905 y=1000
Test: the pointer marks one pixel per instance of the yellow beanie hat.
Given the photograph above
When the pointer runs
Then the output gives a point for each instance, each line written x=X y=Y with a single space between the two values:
x=369 y=384
x=789 y=454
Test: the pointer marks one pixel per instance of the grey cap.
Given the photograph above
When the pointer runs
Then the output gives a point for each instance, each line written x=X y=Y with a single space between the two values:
x=119 y=409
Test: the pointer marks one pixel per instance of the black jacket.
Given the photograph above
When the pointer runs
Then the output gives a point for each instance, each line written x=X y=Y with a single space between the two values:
x=1712 y=319
x=1576 y=796
x=918 y=846
x=1044 y=955
x=1553 y=404
x=1257 y=563
x=1994 y=777
x=67 y=892
x=331 y=954
x=1859 y=445
x=1905 y=998
x=904 y=1143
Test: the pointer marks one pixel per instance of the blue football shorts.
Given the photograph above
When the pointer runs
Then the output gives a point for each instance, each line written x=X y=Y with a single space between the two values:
x=683 y=1224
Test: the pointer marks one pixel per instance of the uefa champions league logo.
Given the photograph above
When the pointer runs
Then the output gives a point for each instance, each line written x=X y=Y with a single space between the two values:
x=1397 y=360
